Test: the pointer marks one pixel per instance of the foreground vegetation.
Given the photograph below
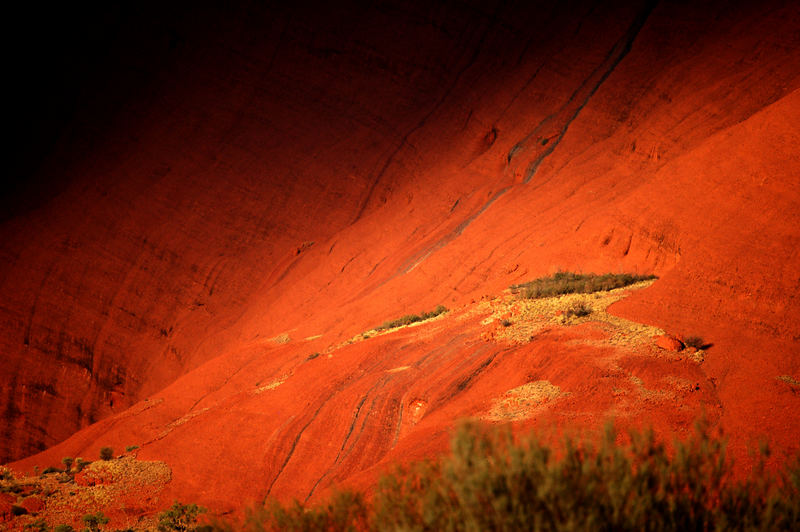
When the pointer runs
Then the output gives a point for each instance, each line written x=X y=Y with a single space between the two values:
x=576 y=283
x=490 y=482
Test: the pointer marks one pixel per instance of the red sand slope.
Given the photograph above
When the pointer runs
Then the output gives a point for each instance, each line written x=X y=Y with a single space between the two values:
x=179 y=261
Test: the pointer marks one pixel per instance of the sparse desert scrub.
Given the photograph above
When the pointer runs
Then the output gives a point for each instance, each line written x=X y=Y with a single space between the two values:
x=576 y=283
x=64 y=501
x=106 y=453
x=489 y=481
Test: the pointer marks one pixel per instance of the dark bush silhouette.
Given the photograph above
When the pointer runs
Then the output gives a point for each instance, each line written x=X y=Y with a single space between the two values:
x=694 y=341
x=106 y=453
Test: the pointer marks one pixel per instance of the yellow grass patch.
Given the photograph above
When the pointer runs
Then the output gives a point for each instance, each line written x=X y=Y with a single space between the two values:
x=521 y=402
x=528 y=317
x=270 y=385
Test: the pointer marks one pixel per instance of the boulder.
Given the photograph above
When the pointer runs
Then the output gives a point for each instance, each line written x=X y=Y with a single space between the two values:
x=6 y=501
x=33 y=504
x=670 y=343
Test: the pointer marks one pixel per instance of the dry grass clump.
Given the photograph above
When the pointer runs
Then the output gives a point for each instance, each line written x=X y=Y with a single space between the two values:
x=794 y=383
x=579 y=309
x=576 y=283
x=411 y=318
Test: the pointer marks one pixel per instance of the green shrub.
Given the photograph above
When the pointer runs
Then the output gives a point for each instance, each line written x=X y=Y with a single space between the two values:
x=576 y=283
x=94 y=522
x=179 y=517
x=49 y=470
x=106 y=453
x=130 y=448
x=63 y=528
x=489 y=481
x=412 y=318
x=67 y=461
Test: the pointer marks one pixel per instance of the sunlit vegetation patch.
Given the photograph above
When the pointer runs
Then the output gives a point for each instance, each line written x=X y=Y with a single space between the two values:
x=411 y=318
x=576 y=283
x=490 y=482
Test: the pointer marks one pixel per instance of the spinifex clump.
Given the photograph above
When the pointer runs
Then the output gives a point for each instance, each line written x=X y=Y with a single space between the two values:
x=411 y=318
x=576 y=283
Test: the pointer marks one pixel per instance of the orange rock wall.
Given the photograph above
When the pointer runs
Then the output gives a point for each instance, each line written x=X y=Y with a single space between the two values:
x=432 y=155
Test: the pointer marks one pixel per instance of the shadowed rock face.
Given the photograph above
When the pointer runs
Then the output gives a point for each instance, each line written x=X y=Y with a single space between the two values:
x=233 y=179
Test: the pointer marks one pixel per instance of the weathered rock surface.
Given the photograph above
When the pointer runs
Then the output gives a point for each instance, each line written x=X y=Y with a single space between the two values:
x=290 y=178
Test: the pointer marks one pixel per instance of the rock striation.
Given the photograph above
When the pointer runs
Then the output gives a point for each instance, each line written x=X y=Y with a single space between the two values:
x=284 y=178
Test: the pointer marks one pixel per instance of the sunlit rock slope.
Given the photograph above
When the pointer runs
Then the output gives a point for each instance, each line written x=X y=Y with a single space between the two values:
x=284 y=179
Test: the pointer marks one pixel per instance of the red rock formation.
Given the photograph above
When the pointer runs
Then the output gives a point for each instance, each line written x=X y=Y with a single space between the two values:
x=7 y=502
x=33 y=504
x=431 y=155
x=670 y=343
